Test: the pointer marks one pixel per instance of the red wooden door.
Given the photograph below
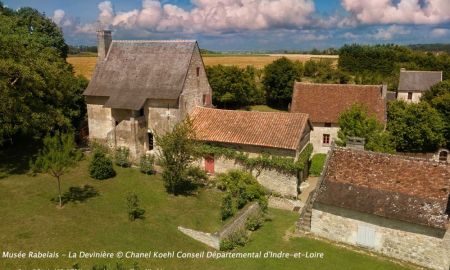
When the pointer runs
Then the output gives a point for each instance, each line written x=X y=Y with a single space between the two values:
x=209 y=164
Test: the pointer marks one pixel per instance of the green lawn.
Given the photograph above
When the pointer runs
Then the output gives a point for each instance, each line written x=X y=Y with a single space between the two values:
x=31 y=222
x=263 y=108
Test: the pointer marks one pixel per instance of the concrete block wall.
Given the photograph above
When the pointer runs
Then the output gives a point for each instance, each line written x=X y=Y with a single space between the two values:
x=421 y=245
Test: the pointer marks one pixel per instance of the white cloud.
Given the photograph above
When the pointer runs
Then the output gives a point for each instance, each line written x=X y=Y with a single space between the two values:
x=401 y=12
x=440 y=32
x=390 y=32
x=58 y=16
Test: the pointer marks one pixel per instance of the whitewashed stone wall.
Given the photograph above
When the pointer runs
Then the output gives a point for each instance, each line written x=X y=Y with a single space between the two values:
x=421 y=245
x=209 y=239
x=317 y=136
x=404 y=96
x=100 y=121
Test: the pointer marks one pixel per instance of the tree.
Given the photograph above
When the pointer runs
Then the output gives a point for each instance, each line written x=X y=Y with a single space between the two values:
x=57 y=156
x=356 y=122
x=233 y=87
x=177 y=152
x=417 y=127
x=38 y=90
x=278 y=81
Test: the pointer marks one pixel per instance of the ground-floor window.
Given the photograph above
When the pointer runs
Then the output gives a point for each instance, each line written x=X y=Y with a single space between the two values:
x=410 y=95
x=326 y=139
x=150 y=141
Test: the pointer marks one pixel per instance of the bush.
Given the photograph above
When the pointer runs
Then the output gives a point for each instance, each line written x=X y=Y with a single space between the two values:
x=134 y=211
x=239 y=238
x=226 y=208
x=254 y=222
x=122 y=157
x=317 y=163
x=101 y=166
x=146 y=164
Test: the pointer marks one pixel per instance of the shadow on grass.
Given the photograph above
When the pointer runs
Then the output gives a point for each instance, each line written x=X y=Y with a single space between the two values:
x=77 y=194
x=15 y=157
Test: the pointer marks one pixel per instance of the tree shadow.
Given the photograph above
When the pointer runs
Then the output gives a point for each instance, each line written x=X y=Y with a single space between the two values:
x=15 y=157
x=77 y=194
x=186 y=188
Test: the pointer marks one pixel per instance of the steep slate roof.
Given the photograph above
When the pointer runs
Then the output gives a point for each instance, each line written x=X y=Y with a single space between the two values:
x=134 y=71
x=267 y=129
x=391 y=186
x=324 y=102
x=411 y=80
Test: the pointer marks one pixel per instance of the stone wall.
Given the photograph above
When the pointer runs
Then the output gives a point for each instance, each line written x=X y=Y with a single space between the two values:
x=317 y=136
x=421 y=245
x=209 y=239
x=100 y=121
x=404 y=96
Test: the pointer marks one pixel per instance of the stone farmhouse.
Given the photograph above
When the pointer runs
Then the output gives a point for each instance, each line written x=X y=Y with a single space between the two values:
x=140 y=88
x=274 y=133
x=394 y=205
x=413 y=83
x=325 y=102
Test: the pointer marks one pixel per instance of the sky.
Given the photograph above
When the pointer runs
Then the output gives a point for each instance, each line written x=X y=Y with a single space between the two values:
x=249 y=25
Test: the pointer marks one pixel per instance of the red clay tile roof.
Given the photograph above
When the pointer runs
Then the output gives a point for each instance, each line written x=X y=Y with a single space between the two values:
x=391 y=186
x=324 y=102
x=267 y=129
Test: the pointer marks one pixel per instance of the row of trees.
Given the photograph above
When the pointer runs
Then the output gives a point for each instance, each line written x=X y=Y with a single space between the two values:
x=38 y=90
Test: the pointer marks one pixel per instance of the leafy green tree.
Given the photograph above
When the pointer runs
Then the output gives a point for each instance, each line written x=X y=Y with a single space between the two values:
x=356 y=122
x=233 y=87
x=38 y=90
x=278 y=81
x=56 y=157
x=177 y=152
x=417 y=127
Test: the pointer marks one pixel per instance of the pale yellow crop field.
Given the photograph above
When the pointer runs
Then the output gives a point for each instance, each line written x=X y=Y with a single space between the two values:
x=85 y=65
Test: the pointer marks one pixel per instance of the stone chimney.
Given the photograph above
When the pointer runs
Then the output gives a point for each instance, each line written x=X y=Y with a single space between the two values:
x=104 y=39
x=356 y=143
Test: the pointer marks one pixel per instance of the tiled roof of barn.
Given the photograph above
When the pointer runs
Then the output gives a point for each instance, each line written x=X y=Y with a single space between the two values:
x=391 y=186
x=267 y=129
x=413 y=80
x=325 y=102
x=134 y=71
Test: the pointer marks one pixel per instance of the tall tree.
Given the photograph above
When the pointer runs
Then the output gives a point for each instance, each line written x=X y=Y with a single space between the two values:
x=278 y=81
x=417 y=127
x=38 y=90
x=356 y=122
x=56 y=157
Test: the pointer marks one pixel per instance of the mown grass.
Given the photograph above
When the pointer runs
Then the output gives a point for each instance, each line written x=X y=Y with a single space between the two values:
x=317 y=163
x=31 y=222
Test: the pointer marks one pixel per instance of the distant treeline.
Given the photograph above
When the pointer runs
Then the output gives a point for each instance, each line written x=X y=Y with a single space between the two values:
x=82 y=49
x=435 y=48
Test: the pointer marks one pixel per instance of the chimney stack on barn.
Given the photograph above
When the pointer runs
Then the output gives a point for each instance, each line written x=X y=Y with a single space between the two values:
x=104 y=39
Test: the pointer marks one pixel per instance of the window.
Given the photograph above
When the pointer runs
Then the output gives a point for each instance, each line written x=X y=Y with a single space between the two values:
x=443 y=155
x=410 y=94
x=326 y=139
x=150 y=141
x=327 y=124
x=198 y=71
x=141 y=112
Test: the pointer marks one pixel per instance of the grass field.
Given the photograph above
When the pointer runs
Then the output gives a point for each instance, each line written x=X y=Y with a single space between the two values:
x=31 y=222
x=85 y=65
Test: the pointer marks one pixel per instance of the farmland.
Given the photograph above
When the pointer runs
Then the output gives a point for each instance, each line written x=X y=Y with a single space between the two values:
x=85 y=65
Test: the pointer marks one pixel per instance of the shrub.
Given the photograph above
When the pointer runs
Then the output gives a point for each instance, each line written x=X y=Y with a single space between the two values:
x=226 y=208
x=254 y=222
x=317 y=163
x=134 y=211
x=101 y=167
x=146 y=164
x=239 y=238
x=122 y=157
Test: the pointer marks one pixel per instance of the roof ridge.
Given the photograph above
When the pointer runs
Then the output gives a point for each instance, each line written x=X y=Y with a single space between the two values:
x=392 y=155
x=242 y=111
x=436 y=71
x=155 y=41
x=341 y=84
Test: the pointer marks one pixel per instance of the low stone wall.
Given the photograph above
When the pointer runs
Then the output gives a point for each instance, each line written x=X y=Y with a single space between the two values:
x=209 y=239
x=421 y=245
x=235 y=224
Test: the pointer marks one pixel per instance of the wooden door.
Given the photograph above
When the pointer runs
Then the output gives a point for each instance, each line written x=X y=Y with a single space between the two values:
x=209 y=164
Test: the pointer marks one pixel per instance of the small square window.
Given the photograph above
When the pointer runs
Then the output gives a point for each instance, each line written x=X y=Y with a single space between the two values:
x=327 y=124
x=410 y=95
x=326 y=139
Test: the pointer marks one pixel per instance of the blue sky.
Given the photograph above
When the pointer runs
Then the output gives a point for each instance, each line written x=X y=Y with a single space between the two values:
x=252 y=24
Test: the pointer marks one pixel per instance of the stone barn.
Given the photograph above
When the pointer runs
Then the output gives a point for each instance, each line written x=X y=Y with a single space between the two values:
x=143 y=88
x=325 y=102
x=394 y=205
x=274 y=133
x=413 y=83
